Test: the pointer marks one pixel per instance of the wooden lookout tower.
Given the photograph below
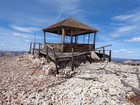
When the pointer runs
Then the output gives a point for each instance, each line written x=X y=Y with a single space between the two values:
x=72 y=46
x=72 y=29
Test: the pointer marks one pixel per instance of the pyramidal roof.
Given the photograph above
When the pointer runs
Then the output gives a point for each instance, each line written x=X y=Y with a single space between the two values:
x=69 y=23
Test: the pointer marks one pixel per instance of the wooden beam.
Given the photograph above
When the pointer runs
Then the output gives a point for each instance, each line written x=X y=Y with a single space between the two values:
x=104 y=46
x=34 y=48
x=30 y=48
x=103 y=54
x=88 y=38
x=110 y=56
x=84 y=39
x=94 y=40
x=76 y=39
x=71 y=40
x=63 y=39
x=39 y=49
x=72 y=65
x=44 y=37
x=135 y=90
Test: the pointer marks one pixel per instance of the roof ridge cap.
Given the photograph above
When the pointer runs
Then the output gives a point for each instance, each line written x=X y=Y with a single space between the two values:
x=65 y=21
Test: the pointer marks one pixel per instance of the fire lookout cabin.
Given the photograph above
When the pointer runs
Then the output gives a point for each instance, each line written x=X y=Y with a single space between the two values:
x=73 y=35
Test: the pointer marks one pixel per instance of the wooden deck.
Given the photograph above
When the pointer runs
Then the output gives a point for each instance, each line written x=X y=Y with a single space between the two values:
x=64 y=56
x=53 y=54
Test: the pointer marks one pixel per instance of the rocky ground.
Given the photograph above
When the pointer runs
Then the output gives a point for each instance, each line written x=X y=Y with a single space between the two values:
x=25 y=80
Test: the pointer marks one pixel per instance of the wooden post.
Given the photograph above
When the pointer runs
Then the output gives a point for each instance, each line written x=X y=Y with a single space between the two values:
x=33 y=48
x=137 y=70
x=72 y=66
x=47 y=56
x=63 y=39
x=90 y=50
x=55 y=58
x=94 y=41
x=39 y=49
x=77 y=39
x=103 y=54
x=88 y=38
x=110 y=56
x=84 y=39
x=44 y=37
x=30 y=50
x=41 y=45
x=71 y=38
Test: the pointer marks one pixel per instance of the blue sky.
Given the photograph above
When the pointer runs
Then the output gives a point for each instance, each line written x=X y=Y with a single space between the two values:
x=118 y=22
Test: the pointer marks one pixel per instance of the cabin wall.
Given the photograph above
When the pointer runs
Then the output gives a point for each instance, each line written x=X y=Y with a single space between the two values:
x=57 y=46
x=68 y=47
x=78 y=47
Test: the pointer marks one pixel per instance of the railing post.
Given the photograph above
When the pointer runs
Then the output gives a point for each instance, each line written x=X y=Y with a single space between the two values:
x=39 y=49
x=46 y=48
x=90 y=50
x=30 y=50
x=72 y=66
x=110 y=56
x=57 y=72
x=103 y=54
x=33 y=48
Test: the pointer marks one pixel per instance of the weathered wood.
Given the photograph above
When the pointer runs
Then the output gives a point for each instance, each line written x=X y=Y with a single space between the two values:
x=104 y=46
x=46 y=47
x=71 y=37
x=110 y=56
x=135 y=90
x=39 y=48
x=55 y=60
x=30 y=50
x=44 y=37
x=84 y=39
x=138 y=76
x=72 y=66
x=94 y=40
x=103 y=54
x=33 y=48
x=63 y=39
x=90 y=50
x=77 y=47
x=88 y=38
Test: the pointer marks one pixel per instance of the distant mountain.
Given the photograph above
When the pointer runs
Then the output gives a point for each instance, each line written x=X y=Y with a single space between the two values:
x=11 y=53
x=119 y=60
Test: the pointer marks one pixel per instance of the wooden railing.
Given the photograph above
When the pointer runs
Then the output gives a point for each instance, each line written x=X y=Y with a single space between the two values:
x=52 y=50
x=33 y=46
x=102 y=49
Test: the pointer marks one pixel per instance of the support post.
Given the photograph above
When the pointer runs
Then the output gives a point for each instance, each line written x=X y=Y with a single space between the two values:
x=77 y=39
x=88 y=38
x=33 y=48
x=94 y=41
x=103 y=54
x=110 y=56
x=44 y=37
x=39 y=49
x=84 y=39
x=30 y=50
x=47 y=56
x=71 y=38
x=90 y=50
x=55 y=58
x=63 y=39
x=72 y=66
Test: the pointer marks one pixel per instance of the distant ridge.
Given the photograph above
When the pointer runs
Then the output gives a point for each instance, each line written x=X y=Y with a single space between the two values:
x=119 y=60
x=11 y=53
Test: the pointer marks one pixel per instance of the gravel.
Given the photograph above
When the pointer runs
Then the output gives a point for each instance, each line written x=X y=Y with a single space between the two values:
x=25 y=80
